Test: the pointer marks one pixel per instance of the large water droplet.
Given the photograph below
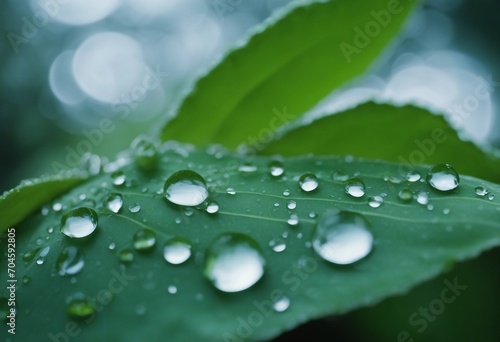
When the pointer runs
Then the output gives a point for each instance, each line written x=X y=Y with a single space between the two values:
x=70 y=261
x=80 y=307
x=443 y=177
x=375 y=201
x=355 y=187
x=118 y=177
x=114 y=202
x=186 y=188
x=144 y=239
x=79 y=222
x=177 y=251
x=276 y=168
x=308 y=182
x=234 y=262
x=282 y=304
x=342 y=237
x=405 y=195
x=145 y=153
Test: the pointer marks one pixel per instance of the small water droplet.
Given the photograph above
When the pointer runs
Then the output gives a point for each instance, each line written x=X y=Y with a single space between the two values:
x=282 y=304
x=443 y=177
x=144 y=239
x=186 y=188
x=114 y=202
x=50 y=230
x=231 y=191
x=126 y=255
x=212 y=207
x=112 y=246
x=340 y=176
x=134 y=208
x=430 y=207
x=293 y=220
x=480 y=191
x=291 y=205
x=491 y=197
x=342 y=237
x=70 y=261
x=375 y=201
x=277 y=245
x=247 y=168
x=413 y=176
x=423 y=198
x=308 y=182
x=286 y=192
x=355 y=187
x=79 y=222
x=177 y=251
x=118 y=177
x=276 y=168
x=172 y=289
x=145 y=153
x=57 y=207
x=405 y=195
x=45 y=210
x=234 y=262
x=80 y=307
x=446 y=211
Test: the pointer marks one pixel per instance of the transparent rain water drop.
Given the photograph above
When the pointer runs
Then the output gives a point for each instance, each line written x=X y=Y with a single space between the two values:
x=234 y=262
x=114 y=202
x=282 y=304
x=247 y=168
x=405 y=195
x=291 y=205
x=308 y=182
x=277 y=245
x=443 y=177
x=480 y=191
x=172 y=289
x=134 y=208
x=144 y=239
x=79 y=222
x=342 y=237
x=355 y=187
x=145 y=153
x=413 y=176
x=91 y=163
x=212 y=207
x=231 y=191
x=423 y=198
x=340 y=176
x=70 y=261
x=186 y=188
x=375 y=201
x=293 y=220
x=118 y=178
x=177 y=251
x=276 y=168
x=126 y=255
x=80 y=307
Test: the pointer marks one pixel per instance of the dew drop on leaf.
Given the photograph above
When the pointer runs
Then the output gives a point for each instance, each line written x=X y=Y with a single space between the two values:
x=70 y=261
x=405 y=195
x=134 y=208
x=144 y=239
x=375 y=201
x=340 y=176
x=126 y=255
x=212 y=207
x=114 y=202
x=413 y=176
x=443 y=177
x=118 y=177
x=57 y=207
x=276 y=168
x=277 y=245
x=491 y=197
x=480 y=191
x=91 y=163
x=79 y=222
x=231 y=191
x=26 y=279
x=186 y=188
x=247 y=168
x=145 y=153
x=172 y=289
x=111 y=246
x=80 y=307
x=291 y=205
x=293 y=220
x=177 y=251
x=233 y=262
x=423 y=198
x=342 y=237
x=355 y=187
x=308 y=182
x=282 y=304
x=286 y=192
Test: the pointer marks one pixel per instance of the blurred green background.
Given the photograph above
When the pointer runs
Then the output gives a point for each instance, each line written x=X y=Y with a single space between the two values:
x=68 y=65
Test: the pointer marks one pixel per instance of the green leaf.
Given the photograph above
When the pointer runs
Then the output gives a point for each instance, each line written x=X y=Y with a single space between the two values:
x=408 y=135
x=18 y=203
x=286 y=66
x=412 y=243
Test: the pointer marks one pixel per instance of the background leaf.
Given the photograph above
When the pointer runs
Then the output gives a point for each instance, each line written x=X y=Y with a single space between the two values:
x=290 y=63
x=18 y=203
x=412 y=243
x=408 y=135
